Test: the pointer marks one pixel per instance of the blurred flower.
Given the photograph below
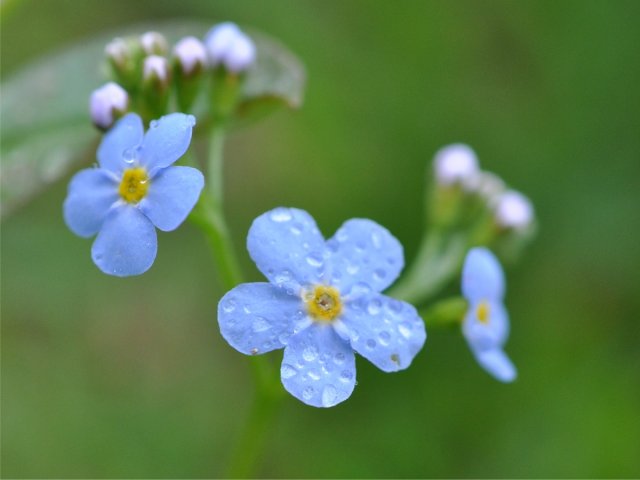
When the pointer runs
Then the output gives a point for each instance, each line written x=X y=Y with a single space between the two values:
x=322 y=304
x=455 y=163
x=134 y=188
x=154 y=43
x=227 y=45
x=486 y=324
x=513 y=210
x=190 y=54
x=107 y=103
x=156 y=68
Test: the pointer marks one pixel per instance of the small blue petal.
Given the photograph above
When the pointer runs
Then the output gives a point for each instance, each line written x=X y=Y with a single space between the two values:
x=318 y=367
x=497 y=363
x=490 y=334
x=119 y=143
x=482 y=276
x=92 y=193
x=287 y=247
x=127 y=243
x=167 y=139
x=387 y=332
x=364 y=251
x=255 y=318
x=172 y=194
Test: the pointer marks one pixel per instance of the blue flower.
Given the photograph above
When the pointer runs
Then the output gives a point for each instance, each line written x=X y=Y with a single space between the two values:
x=322 y=304
x=134 y=189
x=486 y=324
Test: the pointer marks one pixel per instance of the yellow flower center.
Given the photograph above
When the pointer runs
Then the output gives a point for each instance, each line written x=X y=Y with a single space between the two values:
x=482 y=312
x=134 y=184
x=323 y=303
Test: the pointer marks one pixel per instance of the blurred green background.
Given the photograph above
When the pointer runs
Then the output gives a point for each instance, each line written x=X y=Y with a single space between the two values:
x=107 y=377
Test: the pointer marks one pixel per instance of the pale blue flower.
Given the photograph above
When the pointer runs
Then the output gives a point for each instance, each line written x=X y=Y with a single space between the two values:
x=486 y=324
x=134 y=190
x=323 y=303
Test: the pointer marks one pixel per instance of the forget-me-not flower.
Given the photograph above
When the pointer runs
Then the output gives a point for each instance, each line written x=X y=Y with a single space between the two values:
x=134 y=190
x=323 y=303
x=486 y=324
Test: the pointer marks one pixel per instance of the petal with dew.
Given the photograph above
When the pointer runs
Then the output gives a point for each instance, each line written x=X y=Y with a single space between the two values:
x=167 y=139
x=92 y=193
x=172 y=194
x=387 y=332
x=364 y=251
x=119 y=143
x=287 y=247
x=256 y=318
x=127 y=243
x=318 y=367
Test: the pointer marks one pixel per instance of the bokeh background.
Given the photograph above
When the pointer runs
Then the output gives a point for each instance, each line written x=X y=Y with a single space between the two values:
x=107 y=377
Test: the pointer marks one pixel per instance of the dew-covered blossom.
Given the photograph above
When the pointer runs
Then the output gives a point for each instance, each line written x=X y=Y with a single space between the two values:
x=454 y=164
x=190 y=53
x=322 y=304
x=134 y=190
x=227 y=45
x=486 y=323
x=513 y=210
x=106 y=102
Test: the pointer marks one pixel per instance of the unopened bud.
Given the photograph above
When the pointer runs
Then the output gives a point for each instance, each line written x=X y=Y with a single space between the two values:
x=124 y=56
x=227 y=45
x=190 y=55
x=156 y=69
x=513 y=210
x=154 y=43
x=108 y=103
x=455 y=163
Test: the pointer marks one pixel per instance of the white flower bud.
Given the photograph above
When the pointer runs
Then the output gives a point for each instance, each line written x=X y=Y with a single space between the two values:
x=106 y=102
x=154 y=43
x=156 y=66
x=117 y=50
x=190 y=53
x=485 y=184
x=455 y=163
x=513 y=210
x=226 y=44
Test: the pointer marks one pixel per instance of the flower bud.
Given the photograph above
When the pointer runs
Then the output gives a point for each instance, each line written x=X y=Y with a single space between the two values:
x=154 y=43
x=155 y=87
x=455 y=163
x=108 y=103
x=513 y=210
x=227 y=45
x=124 y=56
x=156 y=69
x=190 y=55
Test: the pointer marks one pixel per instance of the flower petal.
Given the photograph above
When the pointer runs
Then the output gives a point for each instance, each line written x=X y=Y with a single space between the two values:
x=256 y=318
x=489 y=334
x=318 y=367
x=287 y=247
x=496 y=362
x=167 y=139
x=92 y=193
x=125 y=135
x=482 y=276
x=363 y=251
x=386 y=331
x=127 y=243
x=172 y=194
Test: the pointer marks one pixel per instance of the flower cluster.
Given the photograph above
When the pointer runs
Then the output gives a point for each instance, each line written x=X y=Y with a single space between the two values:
x=134 y=190
x=322 y=304
x=146 y=72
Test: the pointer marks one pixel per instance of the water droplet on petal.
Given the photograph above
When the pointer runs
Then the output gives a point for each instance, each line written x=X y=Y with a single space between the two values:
x=313 y=375
x=310 y=354
x=308 y=392
x=329 y=396
x=154 y=124
x=260 y=324
x=314 y=260
x=374 y=306
x=405 y=329
x=280 y=215
x=346 y=376
x=384 y=337
x=379 y=275
x=287 y=371
x=371 y=344
x=339 y=358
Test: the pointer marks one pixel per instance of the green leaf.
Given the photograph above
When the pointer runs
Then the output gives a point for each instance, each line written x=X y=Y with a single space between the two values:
x=46 y=128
